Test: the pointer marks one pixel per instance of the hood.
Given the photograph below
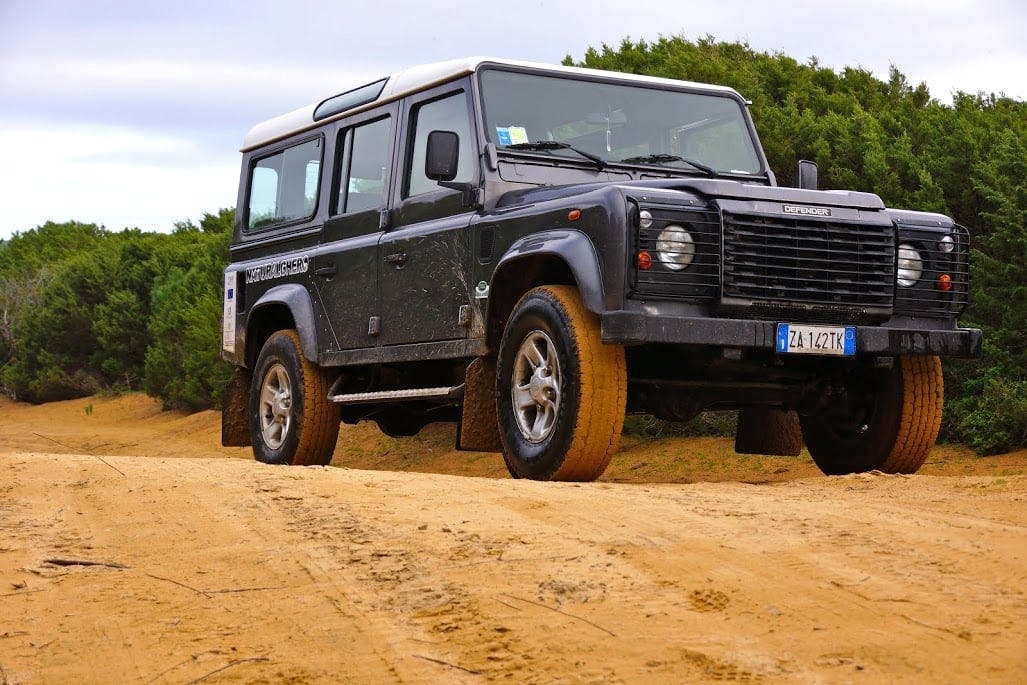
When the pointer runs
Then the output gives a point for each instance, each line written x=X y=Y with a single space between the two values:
x=707 y=188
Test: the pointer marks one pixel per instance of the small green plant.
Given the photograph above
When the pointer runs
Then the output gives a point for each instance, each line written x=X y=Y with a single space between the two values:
x=707 y=424
x=996 y=420
x=89 y=409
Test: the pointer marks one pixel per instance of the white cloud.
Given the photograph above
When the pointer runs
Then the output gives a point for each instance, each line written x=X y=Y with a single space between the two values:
x=147 y=91
x=131 y=113
x=107 y=175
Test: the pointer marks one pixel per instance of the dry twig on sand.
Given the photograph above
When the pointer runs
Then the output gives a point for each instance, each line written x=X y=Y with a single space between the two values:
x=82 y=449
x=446 y=663
x=564 y=613
x=227 y=666
x=82 y=562
x=175 y=582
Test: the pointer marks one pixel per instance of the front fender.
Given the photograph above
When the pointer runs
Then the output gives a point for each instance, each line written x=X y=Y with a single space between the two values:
x=572 y=247
x=296 y=299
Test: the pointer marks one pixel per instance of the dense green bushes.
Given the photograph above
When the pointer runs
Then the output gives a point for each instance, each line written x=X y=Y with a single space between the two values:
x=183 y=364
x=84 y=309
x=989 y=400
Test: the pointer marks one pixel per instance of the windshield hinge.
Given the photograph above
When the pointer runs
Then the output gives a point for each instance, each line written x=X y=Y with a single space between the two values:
x=491 y=157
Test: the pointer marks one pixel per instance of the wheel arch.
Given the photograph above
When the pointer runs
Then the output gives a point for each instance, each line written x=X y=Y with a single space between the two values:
x=284 y=306
x=560 y=257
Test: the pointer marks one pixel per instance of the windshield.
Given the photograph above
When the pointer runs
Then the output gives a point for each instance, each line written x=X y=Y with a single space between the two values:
x=631 y=124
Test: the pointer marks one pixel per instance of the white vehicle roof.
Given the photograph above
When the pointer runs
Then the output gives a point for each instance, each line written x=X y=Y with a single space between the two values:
x=427 y=75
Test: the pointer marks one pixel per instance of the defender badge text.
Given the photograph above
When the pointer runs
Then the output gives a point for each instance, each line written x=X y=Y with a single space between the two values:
x=806 y=211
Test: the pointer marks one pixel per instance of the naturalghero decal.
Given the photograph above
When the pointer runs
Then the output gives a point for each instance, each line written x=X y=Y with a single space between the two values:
x=277 y=269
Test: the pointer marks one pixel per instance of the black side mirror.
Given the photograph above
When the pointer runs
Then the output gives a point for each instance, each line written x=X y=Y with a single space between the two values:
x=806 y=175
x=442 y=156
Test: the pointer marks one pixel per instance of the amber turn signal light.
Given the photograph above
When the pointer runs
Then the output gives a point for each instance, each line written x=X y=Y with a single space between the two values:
x=645 y=260
x=944 y=283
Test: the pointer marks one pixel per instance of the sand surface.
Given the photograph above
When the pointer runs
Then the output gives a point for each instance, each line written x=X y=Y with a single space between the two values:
x=135 y=549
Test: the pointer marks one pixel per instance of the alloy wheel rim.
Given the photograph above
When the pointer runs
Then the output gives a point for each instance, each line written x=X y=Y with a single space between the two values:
x=275 y=406
x=535 y=387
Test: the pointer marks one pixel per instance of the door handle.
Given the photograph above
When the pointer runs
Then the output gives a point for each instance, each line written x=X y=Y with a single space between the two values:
x=397 y=258
x=326 y=271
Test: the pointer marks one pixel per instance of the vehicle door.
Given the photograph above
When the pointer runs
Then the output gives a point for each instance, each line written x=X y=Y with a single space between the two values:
x=282 y=219
x=425 y=252
x=347 y=268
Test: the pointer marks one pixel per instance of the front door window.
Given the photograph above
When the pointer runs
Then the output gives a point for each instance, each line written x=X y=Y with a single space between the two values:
x=445 y=114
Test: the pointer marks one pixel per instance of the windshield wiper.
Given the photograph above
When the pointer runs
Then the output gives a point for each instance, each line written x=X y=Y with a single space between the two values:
x=545 y=145
x=664 y=159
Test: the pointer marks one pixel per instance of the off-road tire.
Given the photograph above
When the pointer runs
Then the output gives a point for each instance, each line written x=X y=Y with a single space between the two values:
x=764 y=430
x=592 y=392
x=314 y=421
x=900 y=425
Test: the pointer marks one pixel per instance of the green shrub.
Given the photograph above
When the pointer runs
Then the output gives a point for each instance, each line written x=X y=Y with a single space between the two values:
x=84 y=310
x=994 y=421
x=183 y=363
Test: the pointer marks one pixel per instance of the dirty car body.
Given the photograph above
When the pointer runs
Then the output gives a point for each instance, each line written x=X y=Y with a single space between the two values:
x=491 y=242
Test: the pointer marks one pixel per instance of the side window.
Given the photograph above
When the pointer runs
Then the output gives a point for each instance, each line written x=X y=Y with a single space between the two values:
x=446 y=114
x=283 y=186
x=363 y=184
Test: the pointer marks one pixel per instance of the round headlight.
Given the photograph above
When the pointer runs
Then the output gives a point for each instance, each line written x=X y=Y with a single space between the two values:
x=947 y=244
x=645 y=219
x=675 y=247
x=911 y=266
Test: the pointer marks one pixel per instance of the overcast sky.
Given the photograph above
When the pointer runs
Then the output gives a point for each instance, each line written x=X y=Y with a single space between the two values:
x=131 y=113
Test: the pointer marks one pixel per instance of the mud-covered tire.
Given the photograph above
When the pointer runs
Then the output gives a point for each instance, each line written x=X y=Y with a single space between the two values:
x=889 y=420
x=578 y=431
x=764 y=430
x=291 y=419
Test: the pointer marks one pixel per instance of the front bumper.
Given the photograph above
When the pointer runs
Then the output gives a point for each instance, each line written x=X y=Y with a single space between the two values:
x=634 y=328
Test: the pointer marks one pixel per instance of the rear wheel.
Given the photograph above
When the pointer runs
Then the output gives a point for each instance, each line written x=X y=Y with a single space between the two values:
x=291 y=420
x=560 y=392
x=887 y=419
x=765 y=430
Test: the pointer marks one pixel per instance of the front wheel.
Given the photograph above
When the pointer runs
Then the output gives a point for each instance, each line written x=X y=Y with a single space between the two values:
x=561 y=393
x=886 y=419
x=291 y=419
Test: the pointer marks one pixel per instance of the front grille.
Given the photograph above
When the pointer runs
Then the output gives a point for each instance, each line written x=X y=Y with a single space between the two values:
x=807 y=261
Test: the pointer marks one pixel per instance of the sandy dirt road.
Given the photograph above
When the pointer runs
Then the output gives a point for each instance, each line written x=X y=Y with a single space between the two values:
x=218 y=569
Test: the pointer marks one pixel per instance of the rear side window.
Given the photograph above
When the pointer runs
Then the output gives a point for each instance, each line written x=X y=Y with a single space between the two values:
x=283 y=186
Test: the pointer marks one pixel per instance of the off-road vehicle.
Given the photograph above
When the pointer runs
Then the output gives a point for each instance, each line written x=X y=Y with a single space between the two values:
x=533 y=251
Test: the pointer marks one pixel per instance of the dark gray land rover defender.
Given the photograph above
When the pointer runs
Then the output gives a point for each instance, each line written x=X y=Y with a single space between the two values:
x=532 y=251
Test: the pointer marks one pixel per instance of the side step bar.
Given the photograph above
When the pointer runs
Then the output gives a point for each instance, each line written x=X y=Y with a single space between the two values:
x=454 y=393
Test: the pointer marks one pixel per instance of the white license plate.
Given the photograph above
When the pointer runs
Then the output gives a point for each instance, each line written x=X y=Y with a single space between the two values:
x=802 y=339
